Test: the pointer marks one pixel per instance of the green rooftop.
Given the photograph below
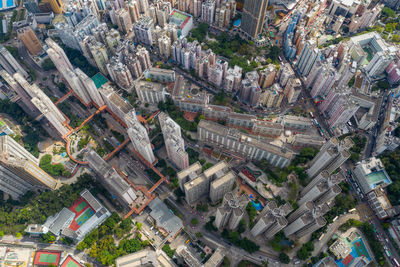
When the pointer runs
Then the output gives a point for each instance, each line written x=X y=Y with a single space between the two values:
x=99 y=80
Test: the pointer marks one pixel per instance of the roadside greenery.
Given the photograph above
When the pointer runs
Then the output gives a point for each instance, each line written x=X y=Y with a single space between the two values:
x=48 y=64
x=284 y=258
x=391 y=161
x=358 y=148
x=305 y=251
x=244 y=243
x=167 y=249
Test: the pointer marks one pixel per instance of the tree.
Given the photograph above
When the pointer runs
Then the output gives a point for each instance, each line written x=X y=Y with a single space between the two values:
x=242 y=226
x=195 y=221
x=251 y=212
x=284 y=258
x=199 y=234
x=167 y=249
x=48 y=64
x=386 y=11
x=48 y=238
x=139 y=226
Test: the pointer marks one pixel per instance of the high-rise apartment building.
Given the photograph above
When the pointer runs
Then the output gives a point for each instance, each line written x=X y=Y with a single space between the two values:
x=272 y=220
x=322 y=189
x=133 y=7
x=22 y=94
x=56 y=5
x=144 y=57
x=253 y=17
x=9 y=63
x=90 y=88
x=139 y=137
x=100 y=56
x=120 y=73
x=208 y=11
x=58 y=56
x=330 y=157
x=79 y=82
x=222 y=184
x=144 y=30
x=42 y=103
x=115 y=103
x=19 y=170
x=231 y=211
x=267 y=76
x=149 y=92
x=173 y=140
x=111 y=180
x=124 y=21
x=30 y=40
x=309 y=55
x=305 y=220
x=215 y=181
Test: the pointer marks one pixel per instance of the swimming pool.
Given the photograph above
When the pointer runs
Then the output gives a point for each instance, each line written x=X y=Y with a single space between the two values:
x=237 y=22
x=6 y=4
x=376 y=178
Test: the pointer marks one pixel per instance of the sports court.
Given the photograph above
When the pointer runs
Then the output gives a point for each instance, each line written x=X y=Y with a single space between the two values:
x=358 y=249
x=70 y=262
x=84 y=216
x=43 y=257
x=81 y=206
x=83 y=211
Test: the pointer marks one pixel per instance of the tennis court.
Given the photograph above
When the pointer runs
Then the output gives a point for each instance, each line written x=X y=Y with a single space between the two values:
x=85 y=216
x=70 y=262
x=81 y=206
x=47 y=258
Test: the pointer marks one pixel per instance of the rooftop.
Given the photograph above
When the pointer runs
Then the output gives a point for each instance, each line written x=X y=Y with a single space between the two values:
x=164 y=218
x=99 y=80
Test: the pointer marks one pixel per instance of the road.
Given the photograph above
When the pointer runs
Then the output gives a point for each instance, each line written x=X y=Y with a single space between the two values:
x=381 y=234
x=310 y=101
x=235 y=252
x=375 y=130
x=331 y=230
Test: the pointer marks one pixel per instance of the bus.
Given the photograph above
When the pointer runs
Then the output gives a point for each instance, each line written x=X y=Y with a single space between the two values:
x=312 y=115
x=395 y=262
x=388 y=253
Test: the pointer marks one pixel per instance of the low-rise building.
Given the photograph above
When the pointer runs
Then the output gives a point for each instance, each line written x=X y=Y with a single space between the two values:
x=371 y=174
x=75 y=222
x=166 y=222
x=160 y=75
x=145 y=257
x=297 y=123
